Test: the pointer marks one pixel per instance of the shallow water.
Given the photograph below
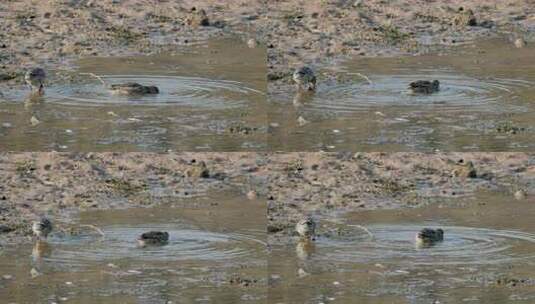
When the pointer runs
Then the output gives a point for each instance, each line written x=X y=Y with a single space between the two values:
x=486 y=239
x=209 y=245
x=204 y=89
x=482 y=87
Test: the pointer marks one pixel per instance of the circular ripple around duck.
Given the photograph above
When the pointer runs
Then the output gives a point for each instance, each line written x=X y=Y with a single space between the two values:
x=461 y=246
x=458 y=93
x=184 y=244
x=174 y=90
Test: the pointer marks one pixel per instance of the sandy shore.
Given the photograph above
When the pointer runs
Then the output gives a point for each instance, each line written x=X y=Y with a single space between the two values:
x=60 y=185
x=317 y=32
x=327 y=185
x=53 y=32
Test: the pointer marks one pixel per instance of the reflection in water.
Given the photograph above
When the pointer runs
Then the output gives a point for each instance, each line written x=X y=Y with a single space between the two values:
x=488 y=258
x=479 y=94
x=203 y=90
x=210 y=247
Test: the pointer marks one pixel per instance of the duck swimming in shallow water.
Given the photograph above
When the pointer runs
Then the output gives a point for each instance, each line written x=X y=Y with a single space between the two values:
x=153 y=238
x=306 y=228
x=35 y=78
x=305 y=79
x=428 y=236
x=424 y=86
x=42 y=227
x=133 y=88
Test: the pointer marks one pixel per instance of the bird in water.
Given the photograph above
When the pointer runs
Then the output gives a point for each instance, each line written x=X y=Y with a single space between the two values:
x=42 y=228
x=424 y=86
x=35 y=78
x=153 y=238
x=305 y=79
x=428 y=236
x=306 y=228
x=133 y=88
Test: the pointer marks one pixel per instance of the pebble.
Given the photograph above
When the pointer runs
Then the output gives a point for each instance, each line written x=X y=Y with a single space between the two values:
x=302 y=273
x=7 y=277
x=251 y=43
x=520 y=194
x=520 y=43
x=34 y=121
x=7 y=125
x=251 y=195
x=34 y=273
x=112 y=114
x=301 y=121
x=69 y=131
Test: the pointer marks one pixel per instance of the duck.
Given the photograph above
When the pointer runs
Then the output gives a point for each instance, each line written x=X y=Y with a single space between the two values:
x=424 y=86
x=306 y=228
x=35 y=78
x=429 y=236
x=153 y=238
x=305 y=78
x=133 y=88
x=42 y=228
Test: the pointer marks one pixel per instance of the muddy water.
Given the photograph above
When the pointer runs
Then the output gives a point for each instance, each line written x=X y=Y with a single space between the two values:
x=204 y=89
x=483 y=88
x=488 y=243
x=216 y=254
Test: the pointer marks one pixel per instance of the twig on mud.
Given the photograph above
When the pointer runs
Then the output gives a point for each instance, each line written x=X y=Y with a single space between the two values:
x=364 y=77
x=96 y=76
x=95 y=228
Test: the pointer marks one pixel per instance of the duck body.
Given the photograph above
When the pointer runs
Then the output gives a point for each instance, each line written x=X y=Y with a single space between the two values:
x=133 y=88
x=428 y=236
x=424 y=86
x=42 y=227
x=306 y=228
x=35 y=78
x=304 y=78
x=153 y=238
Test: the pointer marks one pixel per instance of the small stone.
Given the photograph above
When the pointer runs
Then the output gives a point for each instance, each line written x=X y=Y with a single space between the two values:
x=69 y=131
x=7 y=125
x=7 y=277
x=301 y=121
x=34 y=273
x=520 y=194
x=251 y=195
x=302 y=273
x=112 y=114
x=251 y=43
x=520 y=43
x=34 y=121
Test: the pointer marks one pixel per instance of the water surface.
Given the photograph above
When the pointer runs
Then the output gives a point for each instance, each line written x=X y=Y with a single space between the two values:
x=204 y=90
x=216 y=254
x=488 y=244
x=364 y=104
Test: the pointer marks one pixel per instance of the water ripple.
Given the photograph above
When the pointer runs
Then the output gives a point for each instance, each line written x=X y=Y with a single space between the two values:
x=461 y=246
x=184 y=244
x=458 y=93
